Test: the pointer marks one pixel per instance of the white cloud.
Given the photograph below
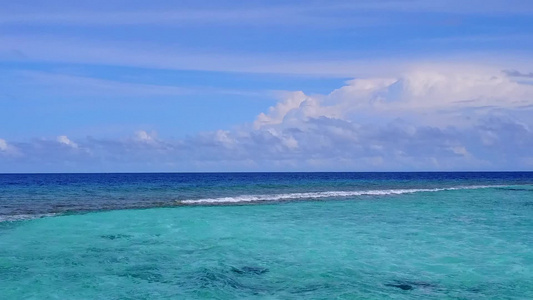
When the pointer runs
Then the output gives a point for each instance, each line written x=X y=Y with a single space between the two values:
x=8 y=149
x=145 y=140
x=143 y=136
x=223 y=137
x=412 y=122
x=459 y=88
x=459 y=150
x=420 y=90
x=64 y=140
x=277 y=113
x=439 y=117
x=3 y=145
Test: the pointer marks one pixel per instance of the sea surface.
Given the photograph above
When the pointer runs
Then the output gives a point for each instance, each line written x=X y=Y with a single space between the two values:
x=267 y=236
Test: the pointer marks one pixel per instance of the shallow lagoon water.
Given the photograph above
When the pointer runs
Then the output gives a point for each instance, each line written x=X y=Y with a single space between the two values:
x=446 y=244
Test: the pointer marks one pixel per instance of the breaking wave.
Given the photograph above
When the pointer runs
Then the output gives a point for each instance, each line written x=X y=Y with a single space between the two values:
x=21 y=217
x=320 y=195
x=243 y=199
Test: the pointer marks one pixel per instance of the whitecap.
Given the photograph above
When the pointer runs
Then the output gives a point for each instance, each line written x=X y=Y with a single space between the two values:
x=320 y=195
x=21 y=217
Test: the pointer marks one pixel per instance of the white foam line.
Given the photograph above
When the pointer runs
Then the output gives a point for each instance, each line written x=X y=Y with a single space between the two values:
x=319 y=195
x=12 y=218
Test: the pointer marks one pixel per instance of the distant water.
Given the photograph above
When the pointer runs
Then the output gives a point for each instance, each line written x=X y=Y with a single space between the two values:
x=300 y=236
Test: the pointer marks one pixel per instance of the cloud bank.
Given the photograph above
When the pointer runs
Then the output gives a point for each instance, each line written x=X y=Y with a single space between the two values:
x=429 y=118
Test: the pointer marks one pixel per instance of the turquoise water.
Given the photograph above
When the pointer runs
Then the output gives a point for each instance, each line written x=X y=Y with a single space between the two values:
x=443 y=238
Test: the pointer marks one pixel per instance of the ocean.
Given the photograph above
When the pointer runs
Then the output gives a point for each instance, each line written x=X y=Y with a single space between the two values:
x=267 y=236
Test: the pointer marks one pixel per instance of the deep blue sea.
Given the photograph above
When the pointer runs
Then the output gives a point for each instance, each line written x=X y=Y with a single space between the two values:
x=267 y=236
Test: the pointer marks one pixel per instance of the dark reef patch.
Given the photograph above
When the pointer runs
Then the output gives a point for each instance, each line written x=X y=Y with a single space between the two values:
x=249 y=270
x=115 y=236
x=410 y=285
x=403 y=286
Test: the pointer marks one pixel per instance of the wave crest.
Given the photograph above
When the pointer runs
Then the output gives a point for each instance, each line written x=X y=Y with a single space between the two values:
x=319 y=195
x=21 y=217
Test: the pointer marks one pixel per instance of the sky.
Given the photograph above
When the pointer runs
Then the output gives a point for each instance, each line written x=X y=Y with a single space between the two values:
x=230 y=86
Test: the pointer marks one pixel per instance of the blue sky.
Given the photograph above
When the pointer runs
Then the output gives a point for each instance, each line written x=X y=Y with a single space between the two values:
x=384 y=85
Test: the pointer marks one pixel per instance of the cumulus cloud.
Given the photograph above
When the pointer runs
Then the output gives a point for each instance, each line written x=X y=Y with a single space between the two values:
x=64 y=140
x=145 y=137
x=426 y=119
x=7 y=149
x=414 y=91
x=3 y=145
x=146 y=141
x=276 y=114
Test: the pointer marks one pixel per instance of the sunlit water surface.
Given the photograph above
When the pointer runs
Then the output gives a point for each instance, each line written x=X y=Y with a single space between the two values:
x=443 y=237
